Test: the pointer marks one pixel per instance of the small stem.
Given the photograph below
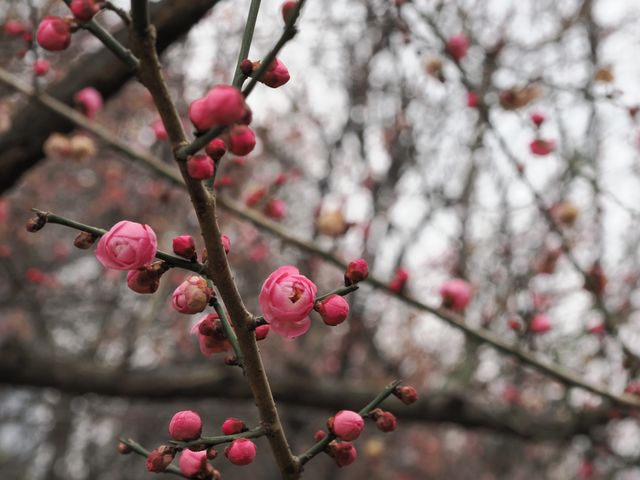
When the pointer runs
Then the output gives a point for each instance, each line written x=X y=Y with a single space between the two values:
x=143 y=452
x=140 y=15
x=247 y=37
x=342 y=291
x=211 y=441
x=228 y=330
x=172 y=260
x=124 y=16
x=322 y=444
x=110 y=42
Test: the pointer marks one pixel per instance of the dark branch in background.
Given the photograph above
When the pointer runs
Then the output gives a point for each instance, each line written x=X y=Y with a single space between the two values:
x=21 y=146
x=21 y=365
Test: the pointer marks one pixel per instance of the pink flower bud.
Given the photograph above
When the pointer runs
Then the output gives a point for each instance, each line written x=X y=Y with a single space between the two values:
x=231 y=426
x=41 y=67
x=346 y=425
x=241 y=451
x=399 y=280
x=286 y=299
x=472 y=100
x=84 y=10
x=385 y=421
x=200 y=167
x=537 y=118
x=89 y=100
x=211 y=336
x=319 y=435
x=185 y=426
x=53 y=34
x=192 y=463
x=542 y=147
x=343 y=453
x=127 y=246
x=160 y=458
x=334 y=310
x=192 y=295
x=262 y=331
x=456 y=294
x=185 y=247
x=287 y=9
x=357 y=271
x=457 y=46
x=540 y=324
x=275 y=209
x=216 y=148
x=406 y=394
x=241 y=140
x=226 y=243
x=276 y=75
x=159 y=130
x=223 y=105
x=255 y=197
x=124 y=449
x=15 y=28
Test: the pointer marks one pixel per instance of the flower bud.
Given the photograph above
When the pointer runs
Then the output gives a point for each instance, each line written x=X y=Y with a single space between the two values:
x=540 y=323
x=472 y=100
x=192 y=463
x=212 y=453
x=357 y=271
x=146 y=279
x=89 y=100
x=537 y=118
x=84 y=240
x=457 y=46
x=399 y=280
x=36 y=223
x=334 y=310
x=216 y=148
x=275 y=209
x=160 y=458
x=240 y=140
x=385 y=421
x=200 y=167
x=241 y=451
x=406 y=394
x=346 y=424
x=185 y=247
x=226 y=243
x=185 y=426
x=192 y=295
x=455 y=294
x=124 y=449
x=542 y=147
x=343 y=453
x=223 y=105
x=595 y=279
x=246 y=67
x=319 y=435
x=54 y=34
x=287 y=9
x=84 y=10
x=15 y=28
x=231 y=426
x=276 y=75
x=159 y=130
x=262 y=331
x=41 y=67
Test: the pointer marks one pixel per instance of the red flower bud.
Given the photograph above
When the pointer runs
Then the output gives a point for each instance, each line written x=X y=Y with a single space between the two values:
x=406 y=394
x=241 y=451
x=231 y=426
x=287 y=9
x=385 y=421
x=334 y=310
x=343 y=453
x=319 y=435
x=84 y=10
x=185 y=426
x=216 y=148
x=262 y=331
x=399 y=280
x=241 y=140
x=200 y=167
x=185 y=247
x=54 y=34
x=457 y=46
x=346 y=425
x=357 y=271
x=41 y=67
x=160 y=458
x=226 y=243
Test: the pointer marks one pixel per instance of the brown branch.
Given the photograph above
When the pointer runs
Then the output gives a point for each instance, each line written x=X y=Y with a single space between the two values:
x=218 y=269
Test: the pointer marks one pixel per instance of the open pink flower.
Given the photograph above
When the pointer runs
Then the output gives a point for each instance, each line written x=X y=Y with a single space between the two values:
x=127 y=246
x=286 y=299
x=456 y=294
